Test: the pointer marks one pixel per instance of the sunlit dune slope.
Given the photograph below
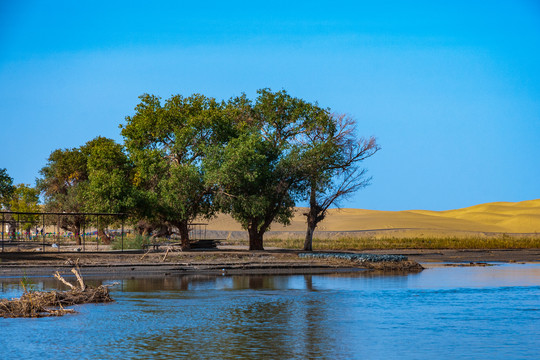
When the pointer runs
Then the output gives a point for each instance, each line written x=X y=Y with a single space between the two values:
x=520 y=217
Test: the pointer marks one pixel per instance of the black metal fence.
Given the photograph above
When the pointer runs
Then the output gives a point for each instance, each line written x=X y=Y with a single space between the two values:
x=44 y=228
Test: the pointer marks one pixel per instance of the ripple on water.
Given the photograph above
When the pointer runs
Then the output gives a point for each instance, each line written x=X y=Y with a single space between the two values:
x=463 y=314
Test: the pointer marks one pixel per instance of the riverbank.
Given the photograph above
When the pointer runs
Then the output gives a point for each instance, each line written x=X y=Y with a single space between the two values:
x=234 y=260
x=231 y=261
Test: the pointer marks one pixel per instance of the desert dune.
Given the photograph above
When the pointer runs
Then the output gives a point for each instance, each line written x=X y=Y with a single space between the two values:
x=498 y=217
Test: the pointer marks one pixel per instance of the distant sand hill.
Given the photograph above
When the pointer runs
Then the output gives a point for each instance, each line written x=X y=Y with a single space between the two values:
x=499 y=217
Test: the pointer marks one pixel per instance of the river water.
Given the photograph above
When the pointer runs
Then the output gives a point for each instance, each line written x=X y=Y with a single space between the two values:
x=443 y=312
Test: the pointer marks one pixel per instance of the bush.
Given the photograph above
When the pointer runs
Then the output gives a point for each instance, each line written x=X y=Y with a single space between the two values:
x=130 y=242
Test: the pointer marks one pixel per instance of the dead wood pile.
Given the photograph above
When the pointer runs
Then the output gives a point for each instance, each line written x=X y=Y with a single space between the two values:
x=53 y=303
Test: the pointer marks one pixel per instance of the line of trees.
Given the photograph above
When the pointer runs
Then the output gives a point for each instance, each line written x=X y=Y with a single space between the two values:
x=191 y=157
x=18 y=198
x=96 y=177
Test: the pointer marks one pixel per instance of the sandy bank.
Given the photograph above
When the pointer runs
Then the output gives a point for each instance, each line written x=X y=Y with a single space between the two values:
x=177 y=263
x=235 y=261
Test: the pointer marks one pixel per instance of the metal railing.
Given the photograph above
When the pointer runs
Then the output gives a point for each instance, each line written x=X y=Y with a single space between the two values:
x=14 y=219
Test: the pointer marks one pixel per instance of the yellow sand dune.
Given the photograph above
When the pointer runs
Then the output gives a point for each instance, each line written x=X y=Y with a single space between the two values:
x=508 y=217
x=522 y=224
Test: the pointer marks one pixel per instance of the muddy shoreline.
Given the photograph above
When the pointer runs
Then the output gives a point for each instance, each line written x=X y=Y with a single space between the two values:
x=236 y=261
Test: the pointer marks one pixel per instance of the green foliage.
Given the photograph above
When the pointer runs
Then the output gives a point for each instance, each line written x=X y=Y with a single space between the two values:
x=131 y=242
x=60 y=185
x=261 y=172
x=167 y=143
x=110 y=178
x=25 y=199
x=188 y=157
x=332 y=168
x=6 y=188
x=65 y=171
x=27 y=284
x=96 y=177
x=248 y=174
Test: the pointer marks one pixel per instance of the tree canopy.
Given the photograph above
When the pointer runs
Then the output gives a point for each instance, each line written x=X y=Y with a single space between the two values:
x=260 y=174
x=6 y=188
x=110 y=178
x=333 y=171
x=60 y=186
x=25 y=199
x=167 y=144
x=95 y=177
x=187 y=158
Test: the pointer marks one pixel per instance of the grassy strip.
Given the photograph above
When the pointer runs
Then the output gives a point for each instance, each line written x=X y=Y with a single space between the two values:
x=365 y=243
x=350 y=243
x=130 y=242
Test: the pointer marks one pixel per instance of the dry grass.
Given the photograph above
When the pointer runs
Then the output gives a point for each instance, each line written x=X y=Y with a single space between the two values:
x=349 y=243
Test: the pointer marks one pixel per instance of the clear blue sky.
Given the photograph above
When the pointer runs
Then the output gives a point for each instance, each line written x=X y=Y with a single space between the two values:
x=451 y=89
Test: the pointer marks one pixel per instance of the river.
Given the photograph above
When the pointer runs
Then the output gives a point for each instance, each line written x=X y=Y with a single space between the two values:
x=442 y=312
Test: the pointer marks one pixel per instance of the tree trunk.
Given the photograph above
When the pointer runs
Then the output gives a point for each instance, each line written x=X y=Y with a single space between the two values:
x=103 y=236
x=312 y=218
x=255 y=238
x=144 y=228
x=76 y=230
x=308 y=242
x=183 y=227
x=78 y=238
x=12 y=229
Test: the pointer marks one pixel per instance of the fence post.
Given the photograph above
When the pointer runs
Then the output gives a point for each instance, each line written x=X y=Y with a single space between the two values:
x=97 y=234
x=43 y=232
x=122 y=234
x=3 y=228
x=84 y=234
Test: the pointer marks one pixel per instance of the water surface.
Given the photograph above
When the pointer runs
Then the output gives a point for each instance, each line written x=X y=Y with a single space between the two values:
x=475 y=313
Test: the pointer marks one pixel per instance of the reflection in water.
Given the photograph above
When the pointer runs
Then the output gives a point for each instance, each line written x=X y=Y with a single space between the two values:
x=458 y=312
x=167 y=283
x=12 y=287
x=255 y=323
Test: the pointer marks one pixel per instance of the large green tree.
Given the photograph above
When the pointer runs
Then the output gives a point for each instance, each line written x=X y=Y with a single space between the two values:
x=333 y=169
x=25 y=199
x=261 y=173
x=6 y=188
x=95 y=177
x=109 y=188
x=19 y=198
x=60 y=185
x=110 y=177
x=167 y=143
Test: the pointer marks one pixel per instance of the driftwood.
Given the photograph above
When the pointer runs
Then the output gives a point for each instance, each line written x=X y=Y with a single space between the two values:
x=52 y=303
x=166 y=253
x=146 y=253
x=59 y=277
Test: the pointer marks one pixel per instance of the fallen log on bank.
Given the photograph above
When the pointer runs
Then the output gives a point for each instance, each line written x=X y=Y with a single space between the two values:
x=53 y=303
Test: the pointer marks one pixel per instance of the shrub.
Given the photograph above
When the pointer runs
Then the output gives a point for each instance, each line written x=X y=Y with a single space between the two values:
x=130 y=242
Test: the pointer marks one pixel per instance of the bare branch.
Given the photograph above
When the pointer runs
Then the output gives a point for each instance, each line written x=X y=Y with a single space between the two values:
x=79 y=278
x=59 y=277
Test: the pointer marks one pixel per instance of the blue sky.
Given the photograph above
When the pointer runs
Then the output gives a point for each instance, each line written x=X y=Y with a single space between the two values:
x=451 y=90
